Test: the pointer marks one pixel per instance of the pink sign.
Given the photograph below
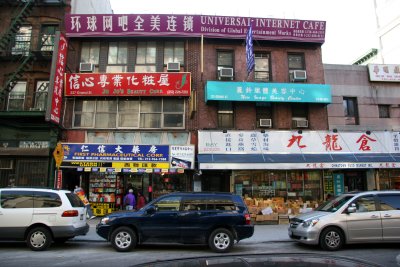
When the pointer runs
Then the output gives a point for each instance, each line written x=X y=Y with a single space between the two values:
x=128 y=84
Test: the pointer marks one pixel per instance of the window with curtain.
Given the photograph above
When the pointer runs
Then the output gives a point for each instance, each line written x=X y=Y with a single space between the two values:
x=117 y=57
x=146 y=57
x=48 y=33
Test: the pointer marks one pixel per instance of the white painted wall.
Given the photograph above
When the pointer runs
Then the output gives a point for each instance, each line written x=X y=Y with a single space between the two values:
x=91 y=7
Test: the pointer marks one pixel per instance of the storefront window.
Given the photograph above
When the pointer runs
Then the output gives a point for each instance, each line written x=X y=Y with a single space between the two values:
x=168 y=182
x=389 y=179
x=287 y=184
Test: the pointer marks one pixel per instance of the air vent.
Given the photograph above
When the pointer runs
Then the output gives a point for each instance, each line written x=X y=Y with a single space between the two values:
x=266 y=123
x=300 y=123
x=173 y=66
x=86 y=67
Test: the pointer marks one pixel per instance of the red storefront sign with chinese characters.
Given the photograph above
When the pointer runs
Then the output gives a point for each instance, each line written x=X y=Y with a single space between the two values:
x=128 y=84
x=56 y=79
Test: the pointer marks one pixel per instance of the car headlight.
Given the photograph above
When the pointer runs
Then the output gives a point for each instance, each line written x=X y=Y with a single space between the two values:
x=106 y=220
x=309 y=223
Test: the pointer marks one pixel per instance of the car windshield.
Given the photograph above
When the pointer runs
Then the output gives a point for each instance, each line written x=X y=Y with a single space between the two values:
x=334 y=204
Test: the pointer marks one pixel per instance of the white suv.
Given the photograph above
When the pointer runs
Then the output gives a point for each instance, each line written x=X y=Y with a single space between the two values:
x=41 y=216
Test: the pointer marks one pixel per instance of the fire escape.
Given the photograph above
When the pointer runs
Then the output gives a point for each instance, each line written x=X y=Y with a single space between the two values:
x=22 y=57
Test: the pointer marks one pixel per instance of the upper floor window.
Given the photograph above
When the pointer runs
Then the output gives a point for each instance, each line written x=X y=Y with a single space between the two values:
x=41 y=92
x=350 y=110
x=90 y=53
x=117 y=57
x=384 y=111
x=174 y=52
x=263 y=112
x=16 y=97
x=262 y=66
x=225 y=115
x=296 y=62
x=47 y=37
x=145 y=113
x=224 y=60
x=22 y=42
x=146 y=57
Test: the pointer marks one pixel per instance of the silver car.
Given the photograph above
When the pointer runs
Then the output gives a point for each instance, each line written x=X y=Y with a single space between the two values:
x=356 y=217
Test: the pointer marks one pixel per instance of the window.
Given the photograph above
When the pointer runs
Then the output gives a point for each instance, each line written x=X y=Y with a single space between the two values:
x=168 y=204
x=16 y=97
x=46 y=200
x=42 y=88
x=22 y=41
x=263 y=111
x=117 y=57
x=174 y=52
x=75 y=201
x=365 y=204
x=350 y=110
x=224 y=60
x=90 y=53
x=225 y=114
x=16 y=199
x=147 y=113
x=384 y=111
x=106 y=114
x=262 y=63
x=47 y=37
x=146 y=57
x=389 y=201
x=299 y=110
x=296 y=62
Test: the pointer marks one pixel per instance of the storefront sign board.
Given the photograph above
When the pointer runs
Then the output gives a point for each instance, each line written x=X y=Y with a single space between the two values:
x=128 y=84
x=384 y=72
x=182 y=157
x=268 y=92
x=175 y=25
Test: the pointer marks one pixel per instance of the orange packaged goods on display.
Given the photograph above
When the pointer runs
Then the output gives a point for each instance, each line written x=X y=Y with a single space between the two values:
x=81 y=194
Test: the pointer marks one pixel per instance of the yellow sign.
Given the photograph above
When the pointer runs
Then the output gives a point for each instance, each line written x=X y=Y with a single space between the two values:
x=58 y=155
x=141 y=165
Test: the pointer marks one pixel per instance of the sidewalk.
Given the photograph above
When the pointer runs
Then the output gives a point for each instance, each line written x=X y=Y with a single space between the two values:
x=262 y=233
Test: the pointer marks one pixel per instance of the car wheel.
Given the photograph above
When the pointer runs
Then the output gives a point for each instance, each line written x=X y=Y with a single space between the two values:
x=123 y=239
x=39 y=239
x=220 y=240
x=331 y=239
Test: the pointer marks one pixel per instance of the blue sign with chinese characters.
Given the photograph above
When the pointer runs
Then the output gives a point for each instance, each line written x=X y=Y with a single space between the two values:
x=338 y=183
x=115 y=152
x=268 y=92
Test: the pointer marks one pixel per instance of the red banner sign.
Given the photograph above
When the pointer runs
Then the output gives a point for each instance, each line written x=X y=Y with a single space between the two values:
x=128 y=84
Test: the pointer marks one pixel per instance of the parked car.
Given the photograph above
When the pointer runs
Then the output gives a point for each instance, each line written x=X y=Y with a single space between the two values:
x=40 y=216
x=355 y=217
x=216 y=219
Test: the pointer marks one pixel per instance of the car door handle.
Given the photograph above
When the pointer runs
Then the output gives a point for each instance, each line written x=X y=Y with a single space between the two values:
x=387 y=215
x=374 y=216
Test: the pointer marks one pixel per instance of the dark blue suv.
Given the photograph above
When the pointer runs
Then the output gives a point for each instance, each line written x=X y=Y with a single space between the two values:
x=216 y=219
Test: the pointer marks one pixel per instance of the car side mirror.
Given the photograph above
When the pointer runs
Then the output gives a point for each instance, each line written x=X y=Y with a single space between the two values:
x=351 y=209
x=151 y=210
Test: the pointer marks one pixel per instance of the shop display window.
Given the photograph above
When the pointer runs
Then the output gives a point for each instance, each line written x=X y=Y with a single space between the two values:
x=389 y=179
x=165 y=183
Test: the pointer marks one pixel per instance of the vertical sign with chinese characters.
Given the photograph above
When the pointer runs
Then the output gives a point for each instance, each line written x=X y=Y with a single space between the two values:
x=338 y=180
x=57 y=78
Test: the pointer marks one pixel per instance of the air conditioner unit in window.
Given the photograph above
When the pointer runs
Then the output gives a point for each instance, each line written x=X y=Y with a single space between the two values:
x=35 y=109
x=300 y=123
x=225 y=73
x=298 y=75
x=266 y=123
x=173 y=66
x=86 y=67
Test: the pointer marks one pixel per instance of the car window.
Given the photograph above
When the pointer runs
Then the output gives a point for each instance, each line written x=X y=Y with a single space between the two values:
x=220 y=204
x=389 y=202
x=46 y=200
x=16 y=199
x=194 y=204
x=171 y=203
x=75 y=201
x=365 y=204
x=334 y=204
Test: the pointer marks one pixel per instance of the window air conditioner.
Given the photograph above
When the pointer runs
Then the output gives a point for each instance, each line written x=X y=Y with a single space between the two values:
x=298 y=75
x=266 y=123
x=226 y=73
x=85 y=67
x=173 y=66
x=35 y=109
x=300 y=123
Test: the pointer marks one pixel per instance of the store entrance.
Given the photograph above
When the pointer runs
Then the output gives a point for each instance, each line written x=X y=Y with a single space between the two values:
x=138 y=182
x=216 y=181
x=355 y=181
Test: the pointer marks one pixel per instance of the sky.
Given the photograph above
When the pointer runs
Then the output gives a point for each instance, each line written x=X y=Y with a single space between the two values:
x=350 y=24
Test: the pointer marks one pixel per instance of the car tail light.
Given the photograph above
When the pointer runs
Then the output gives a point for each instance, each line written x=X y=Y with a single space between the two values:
x=70 y=213
x=248 y=218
